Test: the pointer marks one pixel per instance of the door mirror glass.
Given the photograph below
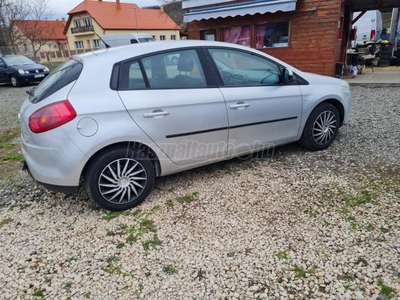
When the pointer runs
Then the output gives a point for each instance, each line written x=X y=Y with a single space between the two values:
x=287 y=75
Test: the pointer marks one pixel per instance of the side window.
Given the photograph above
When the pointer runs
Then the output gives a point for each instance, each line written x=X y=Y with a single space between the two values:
x=131 y=76
x=180 y=69
x=2 y=64
x=239 y=68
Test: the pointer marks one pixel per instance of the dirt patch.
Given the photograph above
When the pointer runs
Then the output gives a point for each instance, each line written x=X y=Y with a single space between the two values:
x=11 y=158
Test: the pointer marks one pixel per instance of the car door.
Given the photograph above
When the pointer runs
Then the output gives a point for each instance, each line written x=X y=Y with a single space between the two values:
x=175 y=106
x=262 y=111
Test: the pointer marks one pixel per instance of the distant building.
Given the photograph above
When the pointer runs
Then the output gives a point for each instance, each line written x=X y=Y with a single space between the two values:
x=38 y=37
x=94 y=18
x=312 y=35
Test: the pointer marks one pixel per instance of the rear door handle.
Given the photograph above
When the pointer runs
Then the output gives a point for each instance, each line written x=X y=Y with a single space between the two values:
x=156 y=113
x=239 y=105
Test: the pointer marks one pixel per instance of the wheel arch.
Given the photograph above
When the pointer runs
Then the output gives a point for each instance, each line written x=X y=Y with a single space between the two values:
x=339 y=106
x=11 y=75
x=135 y=145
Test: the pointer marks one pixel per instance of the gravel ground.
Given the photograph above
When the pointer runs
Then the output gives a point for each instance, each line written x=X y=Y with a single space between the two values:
x=291 y=224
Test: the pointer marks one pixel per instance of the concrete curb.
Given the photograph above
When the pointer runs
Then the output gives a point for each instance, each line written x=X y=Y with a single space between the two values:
x=374 y=85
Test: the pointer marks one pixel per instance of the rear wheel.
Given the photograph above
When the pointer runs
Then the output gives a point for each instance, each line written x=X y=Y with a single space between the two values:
x=120 y=179
x=14 y=81
x=321 y=128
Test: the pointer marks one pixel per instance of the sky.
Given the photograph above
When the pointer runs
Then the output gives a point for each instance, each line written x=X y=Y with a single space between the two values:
x=60 y=8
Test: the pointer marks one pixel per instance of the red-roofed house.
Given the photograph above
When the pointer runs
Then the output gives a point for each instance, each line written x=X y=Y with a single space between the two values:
x=37 y=38
x=97 y=17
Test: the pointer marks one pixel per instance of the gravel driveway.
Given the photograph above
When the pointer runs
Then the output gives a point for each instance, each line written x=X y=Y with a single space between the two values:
x=288 y=224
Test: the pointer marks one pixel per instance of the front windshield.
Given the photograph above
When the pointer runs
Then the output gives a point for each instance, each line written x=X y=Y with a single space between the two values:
x=17 y=60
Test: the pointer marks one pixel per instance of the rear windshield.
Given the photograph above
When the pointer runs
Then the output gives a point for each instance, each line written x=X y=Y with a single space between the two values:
x=59 y=78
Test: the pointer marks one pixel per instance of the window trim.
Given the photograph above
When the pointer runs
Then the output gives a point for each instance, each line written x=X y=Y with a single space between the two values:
x=273 y=22
x=253 y=32
x=219 y=80
x=96 y=41
x=80 y=43
x=204 y=63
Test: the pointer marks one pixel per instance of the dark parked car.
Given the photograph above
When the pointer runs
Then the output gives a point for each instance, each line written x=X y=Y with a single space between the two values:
x=18 y=70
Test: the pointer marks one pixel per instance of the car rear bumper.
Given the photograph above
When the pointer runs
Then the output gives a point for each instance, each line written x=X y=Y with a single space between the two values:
x=51 y=187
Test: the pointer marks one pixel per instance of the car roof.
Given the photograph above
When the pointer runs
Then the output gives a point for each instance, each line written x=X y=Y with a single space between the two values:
x=110 y=56
x=125 y=52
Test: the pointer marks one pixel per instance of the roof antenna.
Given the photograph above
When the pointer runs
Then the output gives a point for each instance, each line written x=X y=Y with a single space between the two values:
x=107 y=45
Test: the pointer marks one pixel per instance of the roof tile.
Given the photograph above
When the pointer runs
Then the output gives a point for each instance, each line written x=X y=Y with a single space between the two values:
x=128 y=16
x=42 y=29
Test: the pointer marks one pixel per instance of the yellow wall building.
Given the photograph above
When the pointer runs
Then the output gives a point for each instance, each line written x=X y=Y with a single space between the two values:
x=94 y=18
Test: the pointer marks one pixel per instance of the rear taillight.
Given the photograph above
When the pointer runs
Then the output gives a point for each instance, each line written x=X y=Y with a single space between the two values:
x=51 y=116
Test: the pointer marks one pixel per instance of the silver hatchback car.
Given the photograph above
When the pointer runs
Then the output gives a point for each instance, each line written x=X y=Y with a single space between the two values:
x=118 y=118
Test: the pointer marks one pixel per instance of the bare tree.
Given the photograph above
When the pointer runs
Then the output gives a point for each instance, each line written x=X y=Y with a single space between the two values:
x=10 y=10
x=173 y=8
x=35 y=31
x=20 y=23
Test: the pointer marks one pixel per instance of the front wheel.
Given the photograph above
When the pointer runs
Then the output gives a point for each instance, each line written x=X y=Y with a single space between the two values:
x=14 y=81
x=321 y=128
x=119 y=179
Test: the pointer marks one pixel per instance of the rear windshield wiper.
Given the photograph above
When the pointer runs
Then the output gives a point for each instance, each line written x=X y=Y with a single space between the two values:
x=31 y=91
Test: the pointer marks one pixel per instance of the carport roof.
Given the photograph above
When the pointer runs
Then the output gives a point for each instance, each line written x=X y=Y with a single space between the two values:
x=361 y=5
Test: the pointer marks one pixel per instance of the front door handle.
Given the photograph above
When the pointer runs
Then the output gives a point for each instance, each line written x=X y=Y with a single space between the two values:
x=239 y=105
x=156 y=113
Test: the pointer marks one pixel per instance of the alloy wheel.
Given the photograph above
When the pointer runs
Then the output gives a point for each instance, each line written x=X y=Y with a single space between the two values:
x=324 y=127
x=122 y=181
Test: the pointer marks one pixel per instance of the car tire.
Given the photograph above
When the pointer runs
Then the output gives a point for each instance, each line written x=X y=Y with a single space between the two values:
x=120 y=178
x=321 y=128
x=14 y=81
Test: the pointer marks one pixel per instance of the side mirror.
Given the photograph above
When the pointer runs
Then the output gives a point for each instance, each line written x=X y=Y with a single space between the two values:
x=287 y=75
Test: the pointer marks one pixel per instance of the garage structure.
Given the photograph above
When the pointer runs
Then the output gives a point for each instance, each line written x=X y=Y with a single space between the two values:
x=312 y=35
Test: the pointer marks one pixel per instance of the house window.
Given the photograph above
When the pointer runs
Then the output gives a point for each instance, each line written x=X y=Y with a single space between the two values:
x=96 y=43
x=78 y=23
x=237 y=35
x=162 y=37
x=88 y=21
x=208 y=35
x=79 y=45
x=173 y=37
x=272 y=35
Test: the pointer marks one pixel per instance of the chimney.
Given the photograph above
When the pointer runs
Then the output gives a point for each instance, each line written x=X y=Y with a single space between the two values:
x=118 y=4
